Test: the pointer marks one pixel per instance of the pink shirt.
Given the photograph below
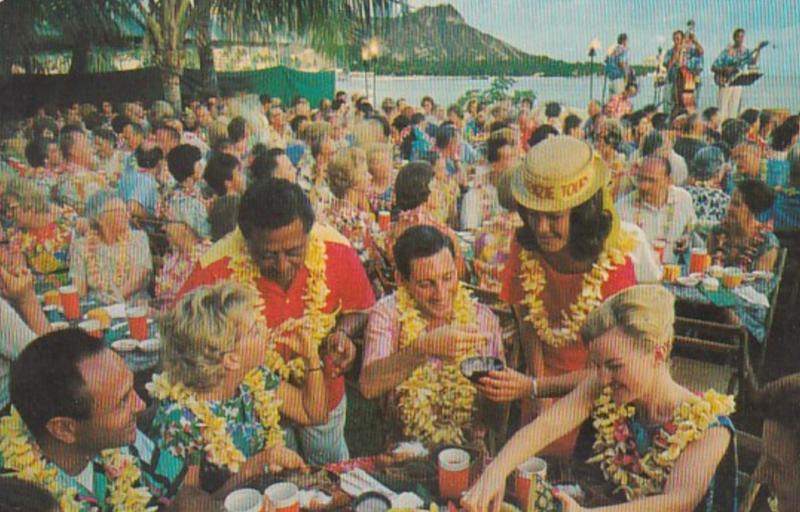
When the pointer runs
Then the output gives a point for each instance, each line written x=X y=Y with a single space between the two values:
x=383 y=331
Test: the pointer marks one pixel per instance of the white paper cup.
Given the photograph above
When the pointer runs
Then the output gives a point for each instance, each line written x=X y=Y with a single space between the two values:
x=243 y=500
x=453 y=459
x=284 y=496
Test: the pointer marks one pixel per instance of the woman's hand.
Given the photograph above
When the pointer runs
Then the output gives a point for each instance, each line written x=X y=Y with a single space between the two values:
x=505 y=386
x=487 y=493
x=281 y=458
x=17 y=285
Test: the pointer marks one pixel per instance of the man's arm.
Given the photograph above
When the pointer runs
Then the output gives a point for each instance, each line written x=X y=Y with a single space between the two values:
x=386 y=374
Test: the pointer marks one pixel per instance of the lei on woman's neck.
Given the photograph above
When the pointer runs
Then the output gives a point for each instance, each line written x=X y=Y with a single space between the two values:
x=643 y=474
x=219 y=446
x=534 y=282
x=102 y=280
x=247 y=273
x=436 y=404
x=22 y=455
x=726 y=253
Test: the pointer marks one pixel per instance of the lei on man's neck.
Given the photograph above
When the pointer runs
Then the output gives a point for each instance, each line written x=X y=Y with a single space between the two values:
x=534 y=282
x=643 y=474
x=436 y=404
x=22 y=455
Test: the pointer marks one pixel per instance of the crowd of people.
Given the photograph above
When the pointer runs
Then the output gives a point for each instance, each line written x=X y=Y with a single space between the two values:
x=281 y=249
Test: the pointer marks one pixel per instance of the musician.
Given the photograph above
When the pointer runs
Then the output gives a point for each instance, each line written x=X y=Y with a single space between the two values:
x=617 y=70
x=684 y=65
x=733 y=59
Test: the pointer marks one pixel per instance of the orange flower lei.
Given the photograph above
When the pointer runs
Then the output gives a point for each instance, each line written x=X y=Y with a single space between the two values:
x=534 y=282
x=120 y=267
x=41 y=253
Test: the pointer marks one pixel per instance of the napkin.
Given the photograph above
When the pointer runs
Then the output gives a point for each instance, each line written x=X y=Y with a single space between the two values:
x=749 y=294
x=307 y=498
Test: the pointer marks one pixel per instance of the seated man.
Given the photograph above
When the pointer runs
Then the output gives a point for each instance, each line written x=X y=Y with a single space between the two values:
x=416 y=336
x=72 y=430
x=298 y=272
x=663 y=211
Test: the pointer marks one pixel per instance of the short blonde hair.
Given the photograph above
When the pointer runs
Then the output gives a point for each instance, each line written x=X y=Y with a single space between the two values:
x=202 y=327
x=646 y=313
x=342 y=170
x=377 y=149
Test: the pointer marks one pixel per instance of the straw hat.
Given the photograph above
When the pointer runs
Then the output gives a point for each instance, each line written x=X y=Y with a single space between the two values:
x=557 y=174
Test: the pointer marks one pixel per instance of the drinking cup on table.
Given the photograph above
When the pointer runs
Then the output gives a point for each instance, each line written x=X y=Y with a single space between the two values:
x=658 y=247
x=732 y=277
x=284 y=497
x=93 y=327
x=71 y=302
x=52 y=298
x=527 y=474
x=137 y=322
x=699 y=260
x=453 y=472
x=243 y=500
x=672 y=272
x=384 y=220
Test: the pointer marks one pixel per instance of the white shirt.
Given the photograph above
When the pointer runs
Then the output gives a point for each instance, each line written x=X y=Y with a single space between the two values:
x=680 y=172
x=642 y=256
x=670 y=222
x=14 y=336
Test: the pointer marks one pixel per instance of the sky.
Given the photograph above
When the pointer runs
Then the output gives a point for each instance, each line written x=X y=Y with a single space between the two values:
x=562 y=29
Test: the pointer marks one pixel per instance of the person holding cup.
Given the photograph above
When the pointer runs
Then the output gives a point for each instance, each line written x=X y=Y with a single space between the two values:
x=112 y=263
x=571 y=251
x=635 y=408
x=219 y=403
x=741 y=240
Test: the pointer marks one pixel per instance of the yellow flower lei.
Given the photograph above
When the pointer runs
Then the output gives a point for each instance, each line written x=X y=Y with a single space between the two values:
x=534 y=282
x=692 y=419
x=218 y=443
x=25 y=458
x=247 y=273
x=435 y=403
x=41 y=254
x=773 y=504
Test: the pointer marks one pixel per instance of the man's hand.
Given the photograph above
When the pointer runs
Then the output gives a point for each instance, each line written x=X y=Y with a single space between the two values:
x=505 y=386
x=450 y=342
x=281 y=458
x=296 y=335
x=342 y=351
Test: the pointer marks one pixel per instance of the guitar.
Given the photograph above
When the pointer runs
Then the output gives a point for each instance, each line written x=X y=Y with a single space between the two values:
x=724 y=76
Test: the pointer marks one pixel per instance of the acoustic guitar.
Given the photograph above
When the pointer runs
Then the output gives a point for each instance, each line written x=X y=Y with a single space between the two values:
x=726 y=75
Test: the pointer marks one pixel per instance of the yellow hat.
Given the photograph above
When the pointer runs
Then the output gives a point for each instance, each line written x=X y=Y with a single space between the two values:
x=557 y=174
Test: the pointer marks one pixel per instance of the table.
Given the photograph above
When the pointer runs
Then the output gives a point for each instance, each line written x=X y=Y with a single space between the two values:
x=138 y=361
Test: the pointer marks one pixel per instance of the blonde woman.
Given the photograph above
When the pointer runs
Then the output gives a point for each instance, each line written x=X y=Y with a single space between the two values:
x=657 y=441
x=219 y=405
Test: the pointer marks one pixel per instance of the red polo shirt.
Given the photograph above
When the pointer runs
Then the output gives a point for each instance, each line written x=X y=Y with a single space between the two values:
x=349 y=289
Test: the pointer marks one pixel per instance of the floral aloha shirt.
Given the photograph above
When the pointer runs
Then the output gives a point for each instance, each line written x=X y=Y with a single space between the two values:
x=710 y=204
x=181 y=434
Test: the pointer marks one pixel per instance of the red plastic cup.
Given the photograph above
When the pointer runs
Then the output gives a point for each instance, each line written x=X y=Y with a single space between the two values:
x=384 y=220
x=699 y=261
x=453 y=473
x=93 y=327
x=71 y=302
x=137 y=322
x=527 y=472
x=284 y=497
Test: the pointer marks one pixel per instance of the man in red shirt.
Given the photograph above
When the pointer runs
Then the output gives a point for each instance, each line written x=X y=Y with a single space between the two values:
x=303 y=273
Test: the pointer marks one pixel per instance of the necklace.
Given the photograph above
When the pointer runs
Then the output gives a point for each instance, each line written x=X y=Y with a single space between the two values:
x=436 y=403
x=247 y=273
x=668 y=222
x=105 y=281
x=740 y=255
x=47 y=253
x=638 y=473
x=219 y=445
x=25 y=458
x=534 y=282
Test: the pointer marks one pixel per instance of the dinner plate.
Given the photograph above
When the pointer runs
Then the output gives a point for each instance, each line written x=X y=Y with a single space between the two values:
x=150 y=345
x=125 y=345
x=688 y=281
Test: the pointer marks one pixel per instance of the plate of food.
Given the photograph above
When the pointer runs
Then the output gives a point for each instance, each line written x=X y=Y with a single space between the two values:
x=688 y=281
x=125 y=345
x=150 y=345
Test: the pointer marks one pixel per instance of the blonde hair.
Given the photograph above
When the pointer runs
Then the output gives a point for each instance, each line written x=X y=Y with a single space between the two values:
x=646 y=313
x=202 y=327
x=378 y=149
x=367 y=132
x=342 y=170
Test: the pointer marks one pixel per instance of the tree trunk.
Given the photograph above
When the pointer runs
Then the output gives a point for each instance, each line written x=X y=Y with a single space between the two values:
x=80 y=57
x=205 y=50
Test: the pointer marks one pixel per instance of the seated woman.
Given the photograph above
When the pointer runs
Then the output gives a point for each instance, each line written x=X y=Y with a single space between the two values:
x=112 y=263
x=779 y=467
x=36 y=234
x=659 y=442
x=219 y=404
x=741 y=240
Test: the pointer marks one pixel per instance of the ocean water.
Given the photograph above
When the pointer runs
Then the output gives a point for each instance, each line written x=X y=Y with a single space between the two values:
x=767 y=92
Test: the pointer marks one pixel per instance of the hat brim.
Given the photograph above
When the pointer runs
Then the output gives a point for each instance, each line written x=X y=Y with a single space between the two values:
x=599 y=176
